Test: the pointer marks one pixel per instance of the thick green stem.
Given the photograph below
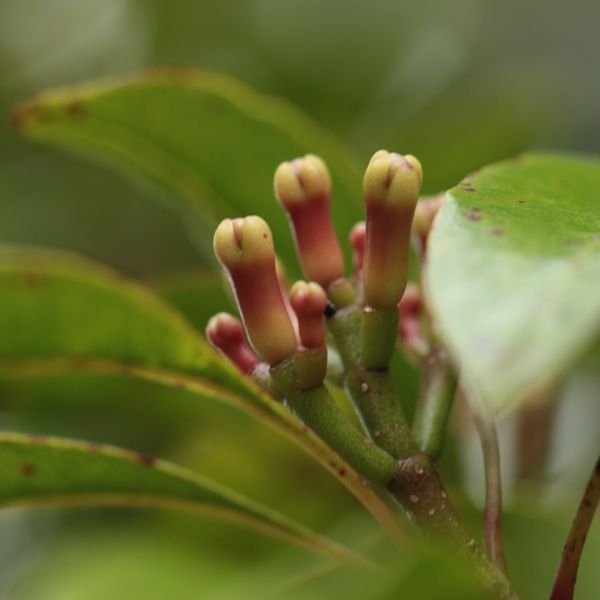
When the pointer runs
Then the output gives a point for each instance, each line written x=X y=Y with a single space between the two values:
x=438 y=385
x=379 y=332
x=318 y=410
x=419 y=489
x=377 y=405
x=371 y=391
x=345 y=326
x=564 y=584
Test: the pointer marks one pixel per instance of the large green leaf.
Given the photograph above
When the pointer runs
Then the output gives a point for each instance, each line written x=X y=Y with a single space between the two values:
x=65 y=314
x=40 y=471
x=514 y=273
x=210 y=140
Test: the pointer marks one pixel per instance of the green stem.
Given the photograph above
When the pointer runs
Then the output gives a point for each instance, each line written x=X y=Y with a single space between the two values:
x=416 y=484
x=377 y=405
x=418 y=488
x=344 y=326
x=564 y=584
x=438 y=385
x=318 y=410
x=413 y=482
x=492 y=515
x=379 y=333
x=371 y=391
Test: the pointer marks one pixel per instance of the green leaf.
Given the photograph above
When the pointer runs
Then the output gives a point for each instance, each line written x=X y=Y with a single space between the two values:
x=196 y=294
x=40 y=471
x=206 y=138
x=59 y=313
x=513 y=273
x=56 y=305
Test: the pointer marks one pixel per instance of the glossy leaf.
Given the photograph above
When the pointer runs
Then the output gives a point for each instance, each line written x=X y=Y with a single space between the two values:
x=514 y=273
x=63 y=314
x=40 y=471
x=209 y=140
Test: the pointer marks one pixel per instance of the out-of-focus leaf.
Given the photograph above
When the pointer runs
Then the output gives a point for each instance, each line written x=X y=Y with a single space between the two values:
x=197 y=295
x=207 y=138
x=37 y=471
x=61 y=314
x=514 y=273
x=55 y=305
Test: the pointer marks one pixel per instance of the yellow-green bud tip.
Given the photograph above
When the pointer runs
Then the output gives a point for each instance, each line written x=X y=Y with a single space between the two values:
x=392 y=178
x=241 y=241
x=302 y=180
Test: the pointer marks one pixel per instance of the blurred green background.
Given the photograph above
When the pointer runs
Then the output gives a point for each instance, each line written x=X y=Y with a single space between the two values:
x=458 y=84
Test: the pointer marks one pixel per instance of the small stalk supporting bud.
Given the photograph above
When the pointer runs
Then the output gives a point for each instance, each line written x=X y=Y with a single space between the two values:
x=245 y=249
x=303 y=188
x=318 y=410
x=309 y=302
x=226 y=334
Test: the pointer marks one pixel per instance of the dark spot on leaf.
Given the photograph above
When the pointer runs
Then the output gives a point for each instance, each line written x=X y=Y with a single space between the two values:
x=265 y=236
x=342 y=472
x=473 y=217
x=145 y=459
x=476 y=209
x=28 y=469
x=498 y=231
x=75 y=109
x=521 y=201
x=33 y=280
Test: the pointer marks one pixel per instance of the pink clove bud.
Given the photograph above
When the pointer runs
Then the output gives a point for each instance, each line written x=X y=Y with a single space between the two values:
x=245 y=249
x=303 y=188
x=358 y=239
x=226 y=334
x=425 y=212
x=410 y=331
x=309 y=301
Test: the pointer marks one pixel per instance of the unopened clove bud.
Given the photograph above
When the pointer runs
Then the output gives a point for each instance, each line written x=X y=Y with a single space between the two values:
x=245 y=249
x=303 y=188
x=425 y=212
x=358 y=238
x=410 y=331
x=309 y=302
x=226 y=333
x=391 y=187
